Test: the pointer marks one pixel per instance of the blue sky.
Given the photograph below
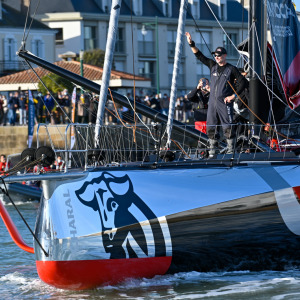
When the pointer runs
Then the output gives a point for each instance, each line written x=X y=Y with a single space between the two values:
x=297 y=2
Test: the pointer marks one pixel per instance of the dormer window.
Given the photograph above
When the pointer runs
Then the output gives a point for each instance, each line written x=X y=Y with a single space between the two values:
x=167 y=8
x=138 y=7
x=196 y=9
x=106 y=5
x=223 y=10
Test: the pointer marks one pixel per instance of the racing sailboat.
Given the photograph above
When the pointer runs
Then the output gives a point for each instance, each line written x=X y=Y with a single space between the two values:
x=125 y=209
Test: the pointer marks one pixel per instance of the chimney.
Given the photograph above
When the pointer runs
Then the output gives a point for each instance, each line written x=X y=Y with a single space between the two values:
x=24 y=6
x=68 y=55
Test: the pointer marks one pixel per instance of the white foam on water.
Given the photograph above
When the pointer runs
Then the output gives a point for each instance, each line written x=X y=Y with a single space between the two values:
x=288 y=296
x=25 y=284
x=200 y=285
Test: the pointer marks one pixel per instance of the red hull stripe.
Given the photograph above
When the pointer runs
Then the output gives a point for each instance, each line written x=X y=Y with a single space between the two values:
x=297 y=191
x=88 y=274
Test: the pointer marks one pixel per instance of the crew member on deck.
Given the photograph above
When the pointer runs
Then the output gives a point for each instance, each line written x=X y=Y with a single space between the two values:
x=220 y=109
x=200 y=96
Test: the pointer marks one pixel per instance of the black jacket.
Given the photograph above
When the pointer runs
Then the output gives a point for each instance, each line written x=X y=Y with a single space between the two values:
x=200 y=104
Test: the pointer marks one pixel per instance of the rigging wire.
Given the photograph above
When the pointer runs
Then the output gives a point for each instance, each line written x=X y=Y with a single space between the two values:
x=5 y=191
x=32 y=19
x=133 y=67
x=282 y=135
x=265 y=75
x=198 y=28
x=244 y=59
x=27 y=15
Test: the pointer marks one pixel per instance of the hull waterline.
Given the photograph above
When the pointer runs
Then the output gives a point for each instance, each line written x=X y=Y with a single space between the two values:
x=114 y=225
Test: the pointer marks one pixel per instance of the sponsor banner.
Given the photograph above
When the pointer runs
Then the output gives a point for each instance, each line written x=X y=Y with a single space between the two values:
x=285 y=32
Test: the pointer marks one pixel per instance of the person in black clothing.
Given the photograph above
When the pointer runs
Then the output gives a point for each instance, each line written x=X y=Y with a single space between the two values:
x=220 y=109
x=200 y=96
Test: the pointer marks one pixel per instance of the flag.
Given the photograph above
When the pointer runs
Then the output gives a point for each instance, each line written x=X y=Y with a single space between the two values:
x=30 y=118
x=73 y=118
x=285 y=32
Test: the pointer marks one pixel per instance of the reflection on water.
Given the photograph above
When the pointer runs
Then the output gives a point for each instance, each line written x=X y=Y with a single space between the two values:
x=19 y=280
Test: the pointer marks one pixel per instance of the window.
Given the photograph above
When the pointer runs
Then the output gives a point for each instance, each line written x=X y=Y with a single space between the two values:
x=231 y=51
x=37 y=47
x=138 y=7
x=146 y=69
x=223 y=10
x=119 y=66
x=146 y=42
x=90 y=37
x=202 y=41
x=202 y=70
x=59 y=38
x=196 y=9
x=172 y=35
x=180 y=79
x=120 y=41
x=10 y=57
x=106 y=5
x=167 y=7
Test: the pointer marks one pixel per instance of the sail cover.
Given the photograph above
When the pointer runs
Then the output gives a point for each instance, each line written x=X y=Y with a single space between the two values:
x=285 y=32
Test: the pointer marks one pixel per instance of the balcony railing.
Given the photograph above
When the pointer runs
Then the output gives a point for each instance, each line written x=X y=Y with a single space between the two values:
x=11 y=66
x=231 y=51
x=180 y=80
x=147 y=48
x=205 y=49
x=120 y=47
x=171 y=49
x=152 y=76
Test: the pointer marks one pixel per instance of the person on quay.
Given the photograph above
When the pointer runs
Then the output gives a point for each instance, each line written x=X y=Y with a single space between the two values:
x=220 y=109
x=3 y=163
x=200 y=96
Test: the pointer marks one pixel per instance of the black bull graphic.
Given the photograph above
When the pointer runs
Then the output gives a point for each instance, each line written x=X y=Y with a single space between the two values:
x=111 y=197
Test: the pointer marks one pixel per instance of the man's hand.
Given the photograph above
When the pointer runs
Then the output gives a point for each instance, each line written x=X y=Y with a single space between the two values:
x=229 y=99
x=188 y=37
x=199 y=86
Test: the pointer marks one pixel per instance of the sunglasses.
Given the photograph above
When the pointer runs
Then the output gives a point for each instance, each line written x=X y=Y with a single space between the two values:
x=218 y=55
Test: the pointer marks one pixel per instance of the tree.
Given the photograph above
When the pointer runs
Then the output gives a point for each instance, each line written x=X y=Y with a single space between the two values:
x=94 y=57
x=55 y=84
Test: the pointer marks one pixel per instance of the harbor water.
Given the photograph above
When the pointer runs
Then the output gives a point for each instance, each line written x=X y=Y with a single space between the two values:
x=19 y=279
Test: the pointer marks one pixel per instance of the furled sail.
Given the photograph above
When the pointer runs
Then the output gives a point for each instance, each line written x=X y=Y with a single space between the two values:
x=285 y=32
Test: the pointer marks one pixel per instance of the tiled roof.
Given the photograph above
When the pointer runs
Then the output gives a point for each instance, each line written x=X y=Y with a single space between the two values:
x=90 y=72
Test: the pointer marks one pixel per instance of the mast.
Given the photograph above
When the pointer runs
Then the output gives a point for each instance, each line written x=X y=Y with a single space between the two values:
x=178 y=52
x=258 y=101
x=110 y=47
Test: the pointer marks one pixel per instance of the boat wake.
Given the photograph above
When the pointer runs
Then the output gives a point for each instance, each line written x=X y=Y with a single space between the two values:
x=275 y=285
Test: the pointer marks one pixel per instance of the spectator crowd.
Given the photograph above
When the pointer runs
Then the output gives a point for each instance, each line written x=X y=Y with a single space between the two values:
x=14 y=108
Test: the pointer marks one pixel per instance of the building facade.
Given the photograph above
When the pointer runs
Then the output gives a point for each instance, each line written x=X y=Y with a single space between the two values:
x=41 y=40
x=147 y=33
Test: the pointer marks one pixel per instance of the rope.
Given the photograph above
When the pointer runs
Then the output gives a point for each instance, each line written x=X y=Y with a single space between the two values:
x=275 y=131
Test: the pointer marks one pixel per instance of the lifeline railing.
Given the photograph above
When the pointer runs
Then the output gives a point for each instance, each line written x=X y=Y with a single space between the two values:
x=123 y=145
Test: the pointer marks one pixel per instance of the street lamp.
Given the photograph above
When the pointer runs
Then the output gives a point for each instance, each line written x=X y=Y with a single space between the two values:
x=144 y=32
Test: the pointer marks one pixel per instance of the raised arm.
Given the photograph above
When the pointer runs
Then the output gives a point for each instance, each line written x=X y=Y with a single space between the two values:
x=191 y=42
